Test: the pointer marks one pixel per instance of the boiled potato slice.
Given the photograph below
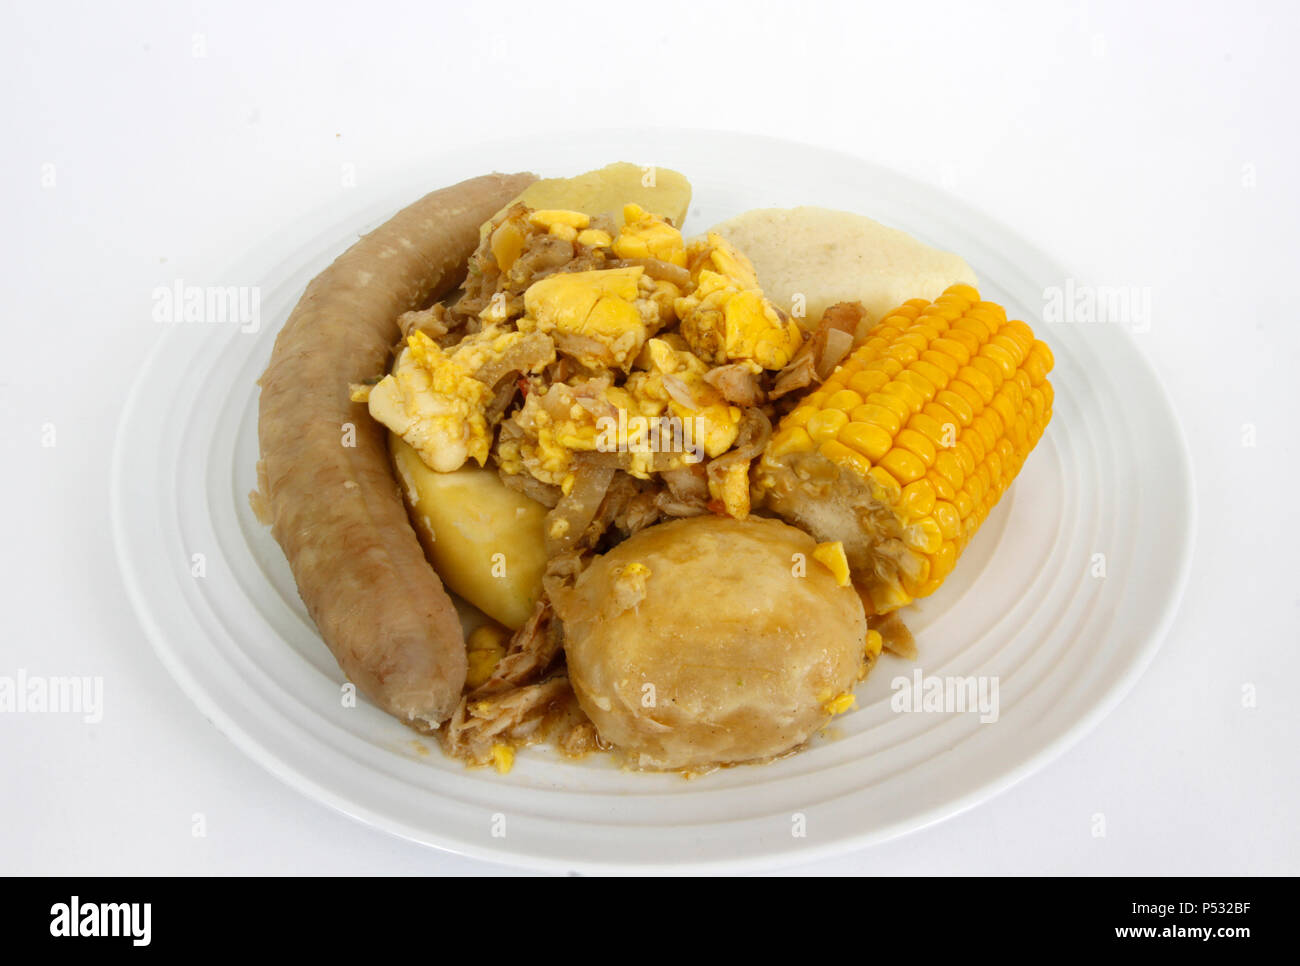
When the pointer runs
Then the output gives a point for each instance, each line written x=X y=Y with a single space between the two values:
x=607 y=190
x=484 y=539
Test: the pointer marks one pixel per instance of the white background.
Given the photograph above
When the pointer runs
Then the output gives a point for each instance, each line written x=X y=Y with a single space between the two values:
x=1138 y=144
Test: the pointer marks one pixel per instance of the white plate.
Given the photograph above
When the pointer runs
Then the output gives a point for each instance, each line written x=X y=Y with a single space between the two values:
x=1110 y=477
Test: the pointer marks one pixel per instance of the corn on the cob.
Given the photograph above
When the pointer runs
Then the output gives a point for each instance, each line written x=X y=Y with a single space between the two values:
x=903 y=451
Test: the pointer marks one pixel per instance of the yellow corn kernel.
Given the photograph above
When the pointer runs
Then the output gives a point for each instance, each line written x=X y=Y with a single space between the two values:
x=935 y=376
x=503 y=758
x=868 y=439
x=485 y=647
x=1020 y=334
x=942 y=416
x=948 y=518
x=800 y=415
x=890 y=367
x=832 y=555
x=985 y=428
x=996 y=470
x=881 y=416
x=887 y=597
x=904 y=353
x=931 y=429
x=1003 y=359
x=990 y=369
x=993 y=420
x=826 y=424
x=918 y=578
x=867 y=381
x=967 y=339
x=943 y=487
x=910 y=398
x=839 y=704
x=952 y=349
x=938 y=362
x=790 y=439
x=950 y=310
x=902 y=465
x=956 y=403
x=970 y=441
x=947 y=465
x=1038 y=363
x=924 y=536
x=887 y=399
x=977 y=381
x=918 y=499
x=888 y=485
x=917 y=445
x=922 y=386
x=841 y=455
x=844 y=400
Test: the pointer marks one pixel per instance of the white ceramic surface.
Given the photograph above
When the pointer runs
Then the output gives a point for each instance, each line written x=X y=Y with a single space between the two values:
x=1111 y=476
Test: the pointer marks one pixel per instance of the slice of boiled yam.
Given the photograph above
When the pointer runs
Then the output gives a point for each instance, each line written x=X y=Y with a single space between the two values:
x=830 y=256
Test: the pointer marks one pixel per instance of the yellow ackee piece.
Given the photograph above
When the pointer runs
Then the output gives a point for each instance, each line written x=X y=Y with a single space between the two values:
x=559 y=423
x=714 y=423
x=668 y=399
x=905 y=449
x=432 y=400
x=551 y=442
x=755 y=330
x=648 y=236
x=594 y=238
x=615 y=308
x=718 y=255
x=726 y=317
